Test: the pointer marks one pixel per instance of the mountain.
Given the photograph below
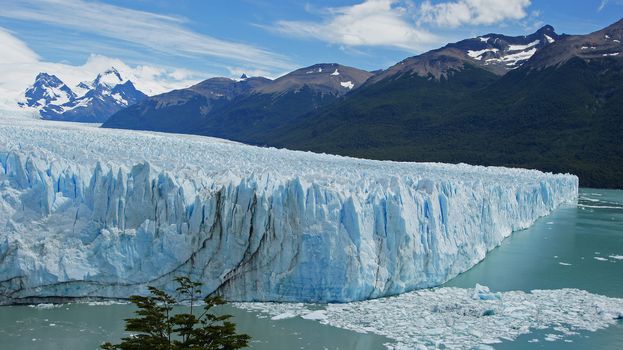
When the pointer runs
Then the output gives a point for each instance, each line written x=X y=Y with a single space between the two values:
x=559 y=111
x=545 y=101
x=183 y=111
x=96 y=101
x=238 y=109
x=249 y=113
x=48 y=90
x=495 y=53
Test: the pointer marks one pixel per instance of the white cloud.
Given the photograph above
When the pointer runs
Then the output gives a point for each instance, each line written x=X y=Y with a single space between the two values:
x=472 y=12
x=19 y=65
x=371 y=23
x=165 y=34
x=15 y=50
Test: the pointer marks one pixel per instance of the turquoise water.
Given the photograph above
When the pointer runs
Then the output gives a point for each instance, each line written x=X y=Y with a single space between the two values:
x=81 y=326
x=530 y=259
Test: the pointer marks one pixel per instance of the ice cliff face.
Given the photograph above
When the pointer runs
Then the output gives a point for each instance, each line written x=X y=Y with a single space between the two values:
x=100 y=212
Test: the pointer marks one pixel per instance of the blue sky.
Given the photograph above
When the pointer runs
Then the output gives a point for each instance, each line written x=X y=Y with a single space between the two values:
x=262 y=37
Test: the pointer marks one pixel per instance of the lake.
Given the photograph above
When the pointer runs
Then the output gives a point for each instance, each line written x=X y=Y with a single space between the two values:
x=575 y=247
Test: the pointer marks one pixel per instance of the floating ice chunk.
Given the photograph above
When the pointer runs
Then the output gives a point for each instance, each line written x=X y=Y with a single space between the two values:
x=616 y=257
x=600 y=258
x=483 y=293
x=452 y=318
x=564 y=264
x=315 y=315
x=283 y=316
x=552 y=337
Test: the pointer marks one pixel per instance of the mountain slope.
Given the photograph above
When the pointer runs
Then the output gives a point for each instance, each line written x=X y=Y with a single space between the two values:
x=185 y=110
x=560 y=111
x=240 y=109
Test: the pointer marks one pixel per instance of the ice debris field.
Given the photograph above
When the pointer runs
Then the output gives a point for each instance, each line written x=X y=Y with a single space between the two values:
x=459 y=318
x=95 y=212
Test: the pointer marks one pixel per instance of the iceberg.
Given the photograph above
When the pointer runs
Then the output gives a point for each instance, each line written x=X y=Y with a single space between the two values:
x=91 y=212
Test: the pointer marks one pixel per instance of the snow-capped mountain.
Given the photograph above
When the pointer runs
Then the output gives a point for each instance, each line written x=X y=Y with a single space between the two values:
x=90 y=101
x=495 y=53
x=500 y=53
x=602 y=45
x=48 y=90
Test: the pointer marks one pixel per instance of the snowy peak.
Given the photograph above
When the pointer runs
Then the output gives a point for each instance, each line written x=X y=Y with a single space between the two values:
x=500 y=53
x=95 y=101
x=126 y=94
x=110 y=78
x=47 y=89
x=329 y=78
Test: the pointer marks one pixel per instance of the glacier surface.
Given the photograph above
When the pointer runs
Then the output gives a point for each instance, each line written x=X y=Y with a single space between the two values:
x=89 y=212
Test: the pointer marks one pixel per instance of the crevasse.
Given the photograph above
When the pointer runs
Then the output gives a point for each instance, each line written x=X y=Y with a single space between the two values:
x=86 y=212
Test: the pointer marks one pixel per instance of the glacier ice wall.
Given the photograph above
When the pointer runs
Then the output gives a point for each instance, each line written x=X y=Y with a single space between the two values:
x=103 y=213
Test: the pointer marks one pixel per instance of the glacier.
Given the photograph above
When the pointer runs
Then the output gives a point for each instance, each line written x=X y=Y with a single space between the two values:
x=91 y=212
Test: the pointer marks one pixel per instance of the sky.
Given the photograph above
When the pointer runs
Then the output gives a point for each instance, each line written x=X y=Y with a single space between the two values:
x=172 y=44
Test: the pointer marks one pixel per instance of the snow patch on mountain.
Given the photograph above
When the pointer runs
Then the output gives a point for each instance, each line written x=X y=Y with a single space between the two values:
x=478 y=54
x=348 y=84
x=523 y=47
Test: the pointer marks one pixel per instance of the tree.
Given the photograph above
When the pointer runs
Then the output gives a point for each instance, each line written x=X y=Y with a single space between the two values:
x=159 y=328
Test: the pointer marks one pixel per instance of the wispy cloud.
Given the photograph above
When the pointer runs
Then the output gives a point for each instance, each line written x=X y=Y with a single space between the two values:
x=472 y=12
x=401 y=24
x=605 y=3
x=165 y=34
x=371 y=23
